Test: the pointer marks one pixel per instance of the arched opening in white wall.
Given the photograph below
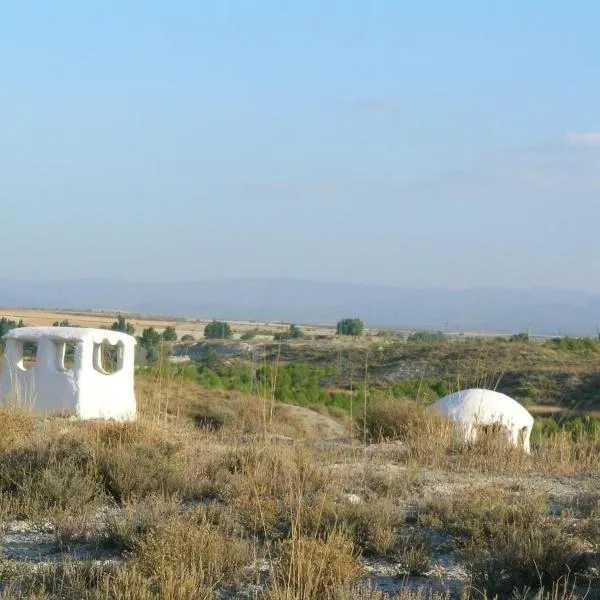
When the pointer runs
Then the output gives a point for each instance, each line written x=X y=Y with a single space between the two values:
x=475 y=410
x=86 y=372
x=108 y=358
x=65 y=355
x=28 y=351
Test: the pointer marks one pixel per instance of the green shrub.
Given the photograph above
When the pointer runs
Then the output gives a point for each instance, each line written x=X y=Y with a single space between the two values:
x=350 y=326
x=426 y=337
x=218 y=330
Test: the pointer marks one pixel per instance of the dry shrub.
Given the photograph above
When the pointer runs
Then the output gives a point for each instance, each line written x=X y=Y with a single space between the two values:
x=124 y=528
x=237 y=414
x=315 y=568
x=411 y=552
x=362 y=592
x=426 y=433
x=520 y=558
x=136 y=471
x=272 y=490
x=478 y=513
x=390 y=419
x=16 y=427
x=49 y=475
x=182 y=559
x=137 y=459
x=559 y=453
x=508 y=540
x=71 y=530
x=586 y=503
x=70 y=467
x=491 y=451
x=66 y=579
x=388 y=482
x=374 y=525
x=111 y=434
x=377 y=529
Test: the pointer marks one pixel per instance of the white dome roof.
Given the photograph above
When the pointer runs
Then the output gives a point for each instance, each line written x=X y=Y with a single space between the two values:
x=485 y=406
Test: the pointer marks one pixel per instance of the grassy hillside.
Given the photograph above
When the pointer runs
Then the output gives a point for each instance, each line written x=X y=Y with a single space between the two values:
x=546 y=375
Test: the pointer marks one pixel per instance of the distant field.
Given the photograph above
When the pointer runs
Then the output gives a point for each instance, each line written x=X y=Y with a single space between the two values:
x=41 y=317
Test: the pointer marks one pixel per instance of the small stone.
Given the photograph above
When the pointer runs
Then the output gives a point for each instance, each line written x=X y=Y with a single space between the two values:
x=352 y=499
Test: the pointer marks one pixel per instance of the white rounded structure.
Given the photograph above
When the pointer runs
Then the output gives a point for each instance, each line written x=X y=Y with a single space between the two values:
x=86 y=389
x=473 y=407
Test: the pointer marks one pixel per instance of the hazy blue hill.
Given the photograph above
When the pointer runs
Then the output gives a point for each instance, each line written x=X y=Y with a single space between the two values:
x=544 y=311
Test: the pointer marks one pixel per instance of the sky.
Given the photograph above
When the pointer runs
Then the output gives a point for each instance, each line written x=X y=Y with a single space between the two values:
x=422 y=144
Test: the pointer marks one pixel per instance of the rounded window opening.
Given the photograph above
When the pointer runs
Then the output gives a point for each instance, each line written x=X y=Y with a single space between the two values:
x=29 y=355
x=65 y=355
x=108 y=358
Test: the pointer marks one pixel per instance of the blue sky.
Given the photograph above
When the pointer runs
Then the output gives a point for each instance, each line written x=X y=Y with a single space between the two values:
x=406 y=143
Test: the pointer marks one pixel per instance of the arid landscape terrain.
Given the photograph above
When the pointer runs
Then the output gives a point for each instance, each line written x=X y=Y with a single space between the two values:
x=306 y=469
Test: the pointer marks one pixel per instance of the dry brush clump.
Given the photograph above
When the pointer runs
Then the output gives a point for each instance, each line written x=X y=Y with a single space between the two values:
x=272 y=489
x=65 y=467
x=508 y=539
x=314 y=568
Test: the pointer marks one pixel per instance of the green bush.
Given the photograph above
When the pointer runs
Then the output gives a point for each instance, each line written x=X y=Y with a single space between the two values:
x=7 y=324
x=350 y=326
x=426 y=337
x=150 y=337
x=293 y=333
x=521 y=338
x=123 y=326
x=209 y=378
x=583 y=345
x=218 y=330
x=169 y=334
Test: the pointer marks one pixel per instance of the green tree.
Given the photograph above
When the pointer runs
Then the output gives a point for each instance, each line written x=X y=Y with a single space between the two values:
x=64 y=323
x=218 y=330
x=122 y=325
x=169 y=334
x=188 y=338
x=7 y=324
x=150 y=337
x=295 y=332
x=350 y=326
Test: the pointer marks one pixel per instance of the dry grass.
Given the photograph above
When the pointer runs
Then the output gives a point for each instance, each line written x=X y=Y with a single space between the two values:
x=193 y=512
x=170 y=398
x=314 y=568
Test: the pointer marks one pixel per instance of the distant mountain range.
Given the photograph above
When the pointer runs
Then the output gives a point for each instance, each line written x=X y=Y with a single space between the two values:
x=543 y=312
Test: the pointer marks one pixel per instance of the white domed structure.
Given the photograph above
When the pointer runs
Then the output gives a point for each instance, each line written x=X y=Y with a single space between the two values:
x=472 y=407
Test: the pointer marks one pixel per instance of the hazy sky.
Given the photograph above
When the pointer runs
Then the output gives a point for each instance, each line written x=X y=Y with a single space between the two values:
x=397 y=142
